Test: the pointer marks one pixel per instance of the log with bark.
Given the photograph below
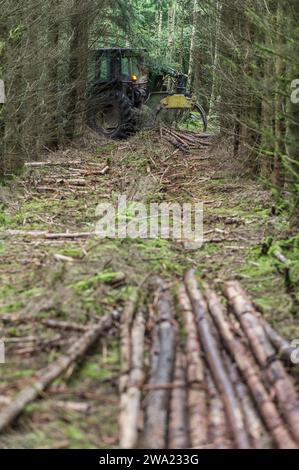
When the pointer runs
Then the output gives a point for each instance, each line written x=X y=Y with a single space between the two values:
x=178 y=437
x=218 y=436
x=265 y=354
x=197 y=398
x=217 y=368
x=48 y=235
x=157 y=400
x=250 y=374
x=131 y=397
x=253 y=422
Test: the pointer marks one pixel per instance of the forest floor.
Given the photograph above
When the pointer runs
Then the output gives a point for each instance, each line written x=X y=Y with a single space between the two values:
x=77 y=280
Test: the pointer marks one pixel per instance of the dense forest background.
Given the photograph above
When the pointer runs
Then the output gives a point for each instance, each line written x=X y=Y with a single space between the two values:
x=242 y=59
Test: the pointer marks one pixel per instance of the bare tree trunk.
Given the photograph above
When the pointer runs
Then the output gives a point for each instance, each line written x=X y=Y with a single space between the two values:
x=278 y=178
x=293 y=118
x=193 y=44
x=12 y=144
x=171 y=29
x=159 y=19
x=52 y=96
x=78 y=68
x=213 y=99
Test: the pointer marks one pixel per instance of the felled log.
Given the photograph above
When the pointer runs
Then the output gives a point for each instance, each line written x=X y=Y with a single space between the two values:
x=265 y=355
x=283 y=347
x=126 y=321
x=126 y=435
x=130 y=403
x=197 y=399
x=178 y=421
x=253 y=422
x=53 y=371
x=157 y=403
x=217 y=368
x=217 y=426
x=250 y=374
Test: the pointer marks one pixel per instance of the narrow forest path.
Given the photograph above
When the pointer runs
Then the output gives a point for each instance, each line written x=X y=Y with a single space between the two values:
x=78 y=279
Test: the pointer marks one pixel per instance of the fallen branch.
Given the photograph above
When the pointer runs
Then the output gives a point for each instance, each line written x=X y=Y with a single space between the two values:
x=52 y=372
x=280 y=256
x=48 y=235
x=49 y=163
x=65 y=326
x=61 y=181
x=125 y=340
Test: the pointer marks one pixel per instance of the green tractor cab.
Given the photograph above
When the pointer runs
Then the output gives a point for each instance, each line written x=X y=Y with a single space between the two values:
x=120 y=93
x=119 y=88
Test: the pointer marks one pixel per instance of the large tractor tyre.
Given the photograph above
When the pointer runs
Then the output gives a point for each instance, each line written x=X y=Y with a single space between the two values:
x=112 y=116
x=193 y=119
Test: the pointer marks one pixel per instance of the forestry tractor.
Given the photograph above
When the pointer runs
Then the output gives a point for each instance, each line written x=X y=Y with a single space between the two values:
x=123 y=95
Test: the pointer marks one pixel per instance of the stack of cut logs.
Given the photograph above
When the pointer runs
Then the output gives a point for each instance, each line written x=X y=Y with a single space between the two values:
x=185 y=140
x=206 y=374
x=220 y=384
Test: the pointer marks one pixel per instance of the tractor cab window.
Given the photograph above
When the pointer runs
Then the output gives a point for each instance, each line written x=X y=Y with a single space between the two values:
x=102 y=68
x=129 y=66
x=135 y=66
x=125 y=67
